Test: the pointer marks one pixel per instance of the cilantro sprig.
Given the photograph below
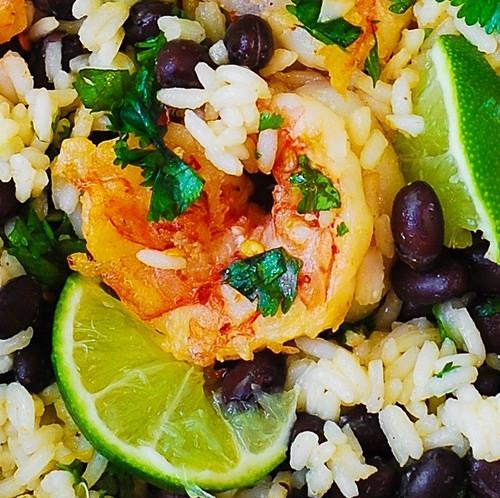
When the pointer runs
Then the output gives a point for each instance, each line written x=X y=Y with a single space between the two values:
x=270 y=121
x=372 y=64
x=318 y=191
x=449 y=367
x=484 y=12
x=337 y=31
x=134 y=110
x=42 y=246
x=270 y=277
x=401 y=6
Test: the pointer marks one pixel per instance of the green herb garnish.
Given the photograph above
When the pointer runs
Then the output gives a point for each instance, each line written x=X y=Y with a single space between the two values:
x=270 y=121
x=337 y=31
x=318 y=192
x=42 y=247
x=490 y=307
x=372 y=64
x=134 y=110
x=270 y=277
x=449 y=367
x=484 y=12
x=342 y=229
x=401 y=6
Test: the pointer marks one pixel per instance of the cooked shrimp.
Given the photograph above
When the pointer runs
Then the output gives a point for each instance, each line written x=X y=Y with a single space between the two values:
x=13 y=18
x=203 y=320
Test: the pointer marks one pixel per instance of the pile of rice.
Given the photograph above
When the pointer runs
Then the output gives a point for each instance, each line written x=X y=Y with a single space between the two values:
x=392 y=373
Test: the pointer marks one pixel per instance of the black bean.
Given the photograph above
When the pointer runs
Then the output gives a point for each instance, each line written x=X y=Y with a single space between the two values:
x=263 y=186
x=382 y=484
x=71 y=47
x=142 y=22
x=20 y=301
x=446 y=280
x=439 y=473
x=244 y=379
x=8 y=202
x=249 y=42
x=367 y=430
x=484 y=478
x=307 y=422
x=32 y=366
x=486 y=315
x=417 y=225
x=411 y=310
x=15 y=46
x=176 y=62
x=62 y=9
x=484 y=274
x=488 y=381
x=98 y=136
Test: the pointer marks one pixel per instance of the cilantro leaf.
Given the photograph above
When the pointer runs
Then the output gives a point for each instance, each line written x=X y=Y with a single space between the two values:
x=372 y=64
x=337 y=31
x=449 y=367
x=484 y=12
x=270 y=121
x=98 y=87
x=42 y=247
x=342 y=229
x=401 y=6
x=134 y=110
x=490 y=307
x=318 y=192
x=270 y=277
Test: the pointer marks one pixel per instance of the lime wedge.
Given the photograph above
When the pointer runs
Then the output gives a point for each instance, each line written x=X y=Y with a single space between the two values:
x=148 y=412
x=459 y=151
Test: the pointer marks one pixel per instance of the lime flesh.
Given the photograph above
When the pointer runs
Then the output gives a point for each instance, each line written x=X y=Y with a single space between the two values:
x=459 y=151
x=148 y=412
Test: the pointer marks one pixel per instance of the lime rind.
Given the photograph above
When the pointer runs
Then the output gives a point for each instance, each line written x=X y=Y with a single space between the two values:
x=474 y=127
x=244 y=465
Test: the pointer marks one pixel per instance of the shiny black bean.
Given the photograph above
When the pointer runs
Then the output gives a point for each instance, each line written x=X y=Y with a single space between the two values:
x=20 y=301
x=32 y=366
x=176 y=62
x=486 y=315
x=484 y=478
x=484 y=274
x=411 y=310
x=446 y=280
x=8 y=202
x=367 y=430
x=249 y=42
x=382 y=484
x=62 y=9
x=142 y=22
x=417 y=225
x=307 y=422
x=488 y=381
x=439 y=473
x=244 y=379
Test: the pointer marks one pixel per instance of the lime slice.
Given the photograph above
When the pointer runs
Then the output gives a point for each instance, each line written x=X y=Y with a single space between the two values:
x=148 y=412
x=459 y=151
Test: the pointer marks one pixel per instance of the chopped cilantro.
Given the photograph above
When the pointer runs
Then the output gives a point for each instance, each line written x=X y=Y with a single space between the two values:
x=134 y=110
x=75 y=469
x=401 y=6
x=342 y=229
x=484 y=12
x=98 y=87
x=490 y=307
x=449 y=367
x=42 y=246
x=270 y=277
x=270 y=121
x=318 y=192
x=372 y=64
x=337 y=31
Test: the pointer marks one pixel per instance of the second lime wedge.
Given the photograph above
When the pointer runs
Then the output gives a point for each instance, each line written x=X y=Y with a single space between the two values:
x=148 y=412
x=459 y=152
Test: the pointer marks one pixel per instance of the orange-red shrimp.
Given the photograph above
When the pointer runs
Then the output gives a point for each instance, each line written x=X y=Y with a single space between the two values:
x=13 y=18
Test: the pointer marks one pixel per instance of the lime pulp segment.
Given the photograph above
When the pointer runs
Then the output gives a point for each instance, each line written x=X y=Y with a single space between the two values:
x=148 y=412
x=459 y=151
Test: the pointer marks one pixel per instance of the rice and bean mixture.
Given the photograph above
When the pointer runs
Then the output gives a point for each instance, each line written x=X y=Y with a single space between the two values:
x=387 y=405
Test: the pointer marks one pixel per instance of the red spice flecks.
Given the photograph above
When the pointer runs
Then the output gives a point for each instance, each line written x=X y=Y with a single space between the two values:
x=203 y=293
x=304 y=279
x=163 y=119
x=193 y=162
